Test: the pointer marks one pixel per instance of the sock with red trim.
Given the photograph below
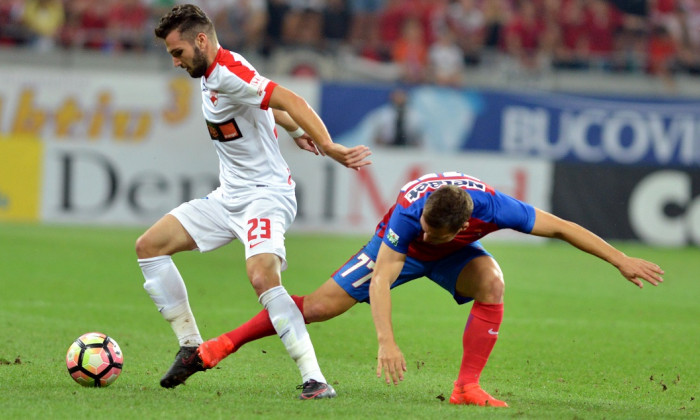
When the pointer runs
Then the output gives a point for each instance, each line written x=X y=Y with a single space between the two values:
x=289 y=324
x=480 y=335
x=258 y=326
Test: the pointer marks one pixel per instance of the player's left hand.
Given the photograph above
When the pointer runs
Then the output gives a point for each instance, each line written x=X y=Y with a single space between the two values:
x=634 y=269
x=391 y=361
x=350 y=157
x=305 y=142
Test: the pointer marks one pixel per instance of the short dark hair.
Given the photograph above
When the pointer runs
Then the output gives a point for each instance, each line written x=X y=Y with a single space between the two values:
x=448 y=207
x=187 y=19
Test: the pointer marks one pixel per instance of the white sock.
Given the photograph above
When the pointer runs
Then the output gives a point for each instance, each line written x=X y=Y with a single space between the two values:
x=167 y=290
x=289 y=324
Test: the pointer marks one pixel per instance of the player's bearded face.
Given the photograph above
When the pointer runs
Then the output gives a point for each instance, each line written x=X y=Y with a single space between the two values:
x=199 y=64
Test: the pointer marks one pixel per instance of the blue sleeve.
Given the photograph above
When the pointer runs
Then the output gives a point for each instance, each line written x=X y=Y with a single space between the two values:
x=513 y=214
x=403 y=227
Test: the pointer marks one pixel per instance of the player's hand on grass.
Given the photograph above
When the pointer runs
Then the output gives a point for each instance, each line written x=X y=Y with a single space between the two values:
x=634 y=269
x=350 y=157
x=391 y=361
x=305 y=142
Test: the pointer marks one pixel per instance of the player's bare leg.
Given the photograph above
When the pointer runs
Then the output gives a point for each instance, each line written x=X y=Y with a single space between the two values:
x=326 y=302
x=481 y=279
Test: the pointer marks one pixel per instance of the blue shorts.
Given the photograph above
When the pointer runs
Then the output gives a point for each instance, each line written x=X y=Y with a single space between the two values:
x=355 y=275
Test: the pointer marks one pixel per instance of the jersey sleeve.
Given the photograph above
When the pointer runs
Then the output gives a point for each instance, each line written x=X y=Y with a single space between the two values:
x=403 y=227
x=248 y=88
x=511 y=213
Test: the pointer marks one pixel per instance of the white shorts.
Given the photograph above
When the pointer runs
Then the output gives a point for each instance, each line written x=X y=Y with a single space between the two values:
x=258 y=219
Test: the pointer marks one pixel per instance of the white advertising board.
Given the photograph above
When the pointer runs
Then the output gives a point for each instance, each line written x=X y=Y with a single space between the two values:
x=333 y=198
x=125 y=150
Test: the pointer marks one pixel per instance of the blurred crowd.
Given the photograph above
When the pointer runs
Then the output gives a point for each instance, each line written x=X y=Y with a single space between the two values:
x=429 y=40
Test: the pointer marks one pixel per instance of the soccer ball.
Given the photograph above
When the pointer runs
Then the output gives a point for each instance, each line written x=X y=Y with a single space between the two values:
x=94 y=359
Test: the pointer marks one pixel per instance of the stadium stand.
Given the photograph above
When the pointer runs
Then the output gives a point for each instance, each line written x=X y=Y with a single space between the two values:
x=407 y=41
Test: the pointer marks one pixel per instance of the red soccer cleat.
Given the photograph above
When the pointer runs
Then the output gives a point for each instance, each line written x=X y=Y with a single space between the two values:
x=472 y=394
x=215 y=350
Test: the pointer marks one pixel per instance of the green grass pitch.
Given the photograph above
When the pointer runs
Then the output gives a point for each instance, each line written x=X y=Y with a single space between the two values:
x=577 y=341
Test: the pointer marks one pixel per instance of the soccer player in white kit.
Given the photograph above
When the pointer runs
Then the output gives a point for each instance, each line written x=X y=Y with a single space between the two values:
x=255 y=202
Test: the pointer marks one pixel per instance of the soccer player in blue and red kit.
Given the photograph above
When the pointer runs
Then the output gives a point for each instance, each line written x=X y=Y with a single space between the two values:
x=433 y=231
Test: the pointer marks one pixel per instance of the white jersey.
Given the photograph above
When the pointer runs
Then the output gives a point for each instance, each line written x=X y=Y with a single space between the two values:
x=235 y=101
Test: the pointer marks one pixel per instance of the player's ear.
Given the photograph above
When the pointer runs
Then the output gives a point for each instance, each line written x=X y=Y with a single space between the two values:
x=201 y=40
x=465 y=226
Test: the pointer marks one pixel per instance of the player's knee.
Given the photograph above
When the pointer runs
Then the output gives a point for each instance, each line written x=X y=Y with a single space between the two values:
x=263 y=272
x=144 y=247
x=263 y=280
x=148 y=247
x=316 y=311
x=490 y=287
x=494 y=286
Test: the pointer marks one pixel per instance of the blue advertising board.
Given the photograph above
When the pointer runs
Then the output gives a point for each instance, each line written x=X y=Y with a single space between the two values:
x=556 y=126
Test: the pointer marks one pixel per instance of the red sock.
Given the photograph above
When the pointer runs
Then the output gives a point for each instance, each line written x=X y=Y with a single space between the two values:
x=258 y=326
x=480 y=336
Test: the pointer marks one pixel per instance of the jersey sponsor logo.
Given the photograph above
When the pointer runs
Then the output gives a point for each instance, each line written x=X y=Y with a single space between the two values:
x=419 y=189
x=392 y=237
x=225 y=131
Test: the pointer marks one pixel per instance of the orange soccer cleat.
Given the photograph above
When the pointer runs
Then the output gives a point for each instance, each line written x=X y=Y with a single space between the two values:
x=215 y=350
x=472 y=394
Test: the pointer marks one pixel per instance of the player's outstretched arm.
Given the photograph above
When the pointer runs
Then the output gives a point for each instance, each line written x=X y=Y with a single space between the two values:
x=633 y=269
x=302 y=114
x=303 y=140
x=390 y=360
